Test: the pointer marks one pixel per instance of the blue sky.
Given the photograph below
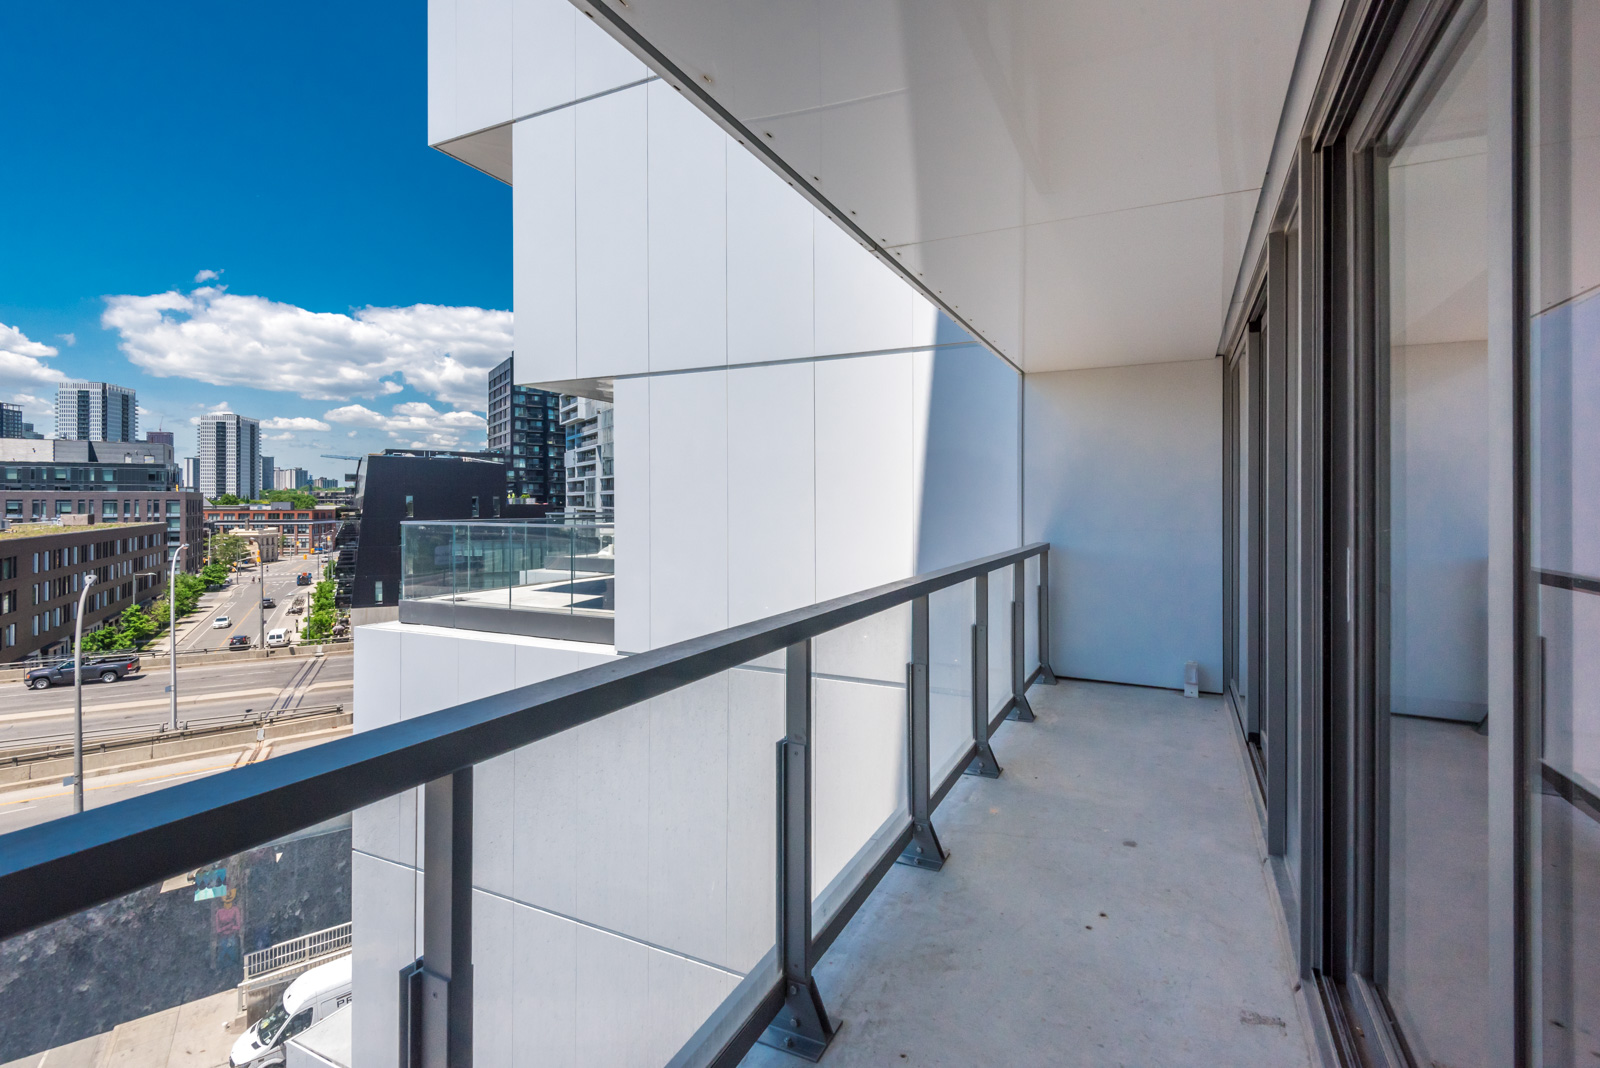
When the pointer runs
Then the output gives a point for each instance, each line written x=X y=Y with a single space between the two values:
x=284 y=147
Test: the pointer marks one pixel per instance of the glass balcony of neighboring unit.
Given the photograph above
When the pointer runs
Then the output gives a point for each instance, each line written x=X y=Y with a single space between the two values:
x=544 y=579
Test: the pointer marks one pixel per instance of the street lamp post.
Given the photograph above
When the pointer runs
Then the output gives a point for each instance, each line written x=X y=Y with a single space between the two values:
x=172 y=630
x=77 y=700
x=261 y=595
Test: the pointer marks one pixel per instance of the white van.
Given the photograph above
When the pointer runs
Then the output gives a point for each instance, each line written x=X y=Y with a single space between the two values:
x=277 y=637
x=312 y=997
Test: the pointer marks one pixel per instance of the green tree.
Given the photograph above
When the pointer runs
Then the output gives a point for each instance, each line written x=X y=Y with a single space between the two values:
x=136 y=625
x=213 y=574
x=322 y=617
x=298 y=498
x=103 y=640
x=227 y=549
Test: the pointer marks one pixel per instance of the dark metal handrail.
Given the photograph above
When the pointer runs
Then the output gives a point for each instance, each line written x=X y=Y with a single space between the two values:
x=58 y=868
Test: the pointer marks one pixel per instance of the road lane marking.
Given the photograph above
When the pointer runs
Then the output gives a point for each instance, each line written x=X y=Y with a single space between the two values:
x=166 y=702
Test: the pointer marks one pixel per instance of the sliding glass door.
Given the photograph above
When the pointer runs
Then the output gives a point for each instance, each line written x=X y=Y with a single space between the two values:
x=1432 y=526
x=1563 y=340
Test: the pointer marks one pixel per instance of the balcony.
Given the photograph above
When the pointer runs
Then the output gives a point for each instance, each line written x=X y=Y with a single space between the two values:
x=540 y=579
x=880 y=811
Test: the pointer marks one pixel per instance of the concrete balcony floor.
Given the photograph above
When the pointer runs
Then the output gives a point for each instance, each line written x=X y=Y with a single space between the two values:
x=1106 y=902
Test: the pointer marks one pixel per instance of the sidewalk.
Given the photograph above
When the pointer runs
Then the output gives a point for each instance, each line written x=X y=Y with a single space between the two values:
x=196 y=1035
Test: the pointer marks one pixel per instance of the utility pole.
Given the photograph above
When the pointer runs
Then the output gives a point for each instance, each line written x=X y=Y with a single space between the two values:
x=77 y=700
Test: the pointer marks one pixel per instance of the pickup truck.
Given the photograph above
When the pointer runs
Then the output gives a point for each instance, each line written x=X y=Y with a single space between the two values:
x=106 y=669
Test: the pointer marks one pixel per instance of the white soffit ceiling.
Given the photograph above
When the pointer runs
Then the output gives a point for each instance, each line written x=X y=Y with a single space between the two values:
x=487 y=150
x=1074 y=179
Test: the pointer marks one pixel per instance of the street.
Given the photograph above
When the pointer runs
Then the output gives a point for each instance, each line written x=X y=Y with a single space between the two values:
x=299 y=681
x=240 y=600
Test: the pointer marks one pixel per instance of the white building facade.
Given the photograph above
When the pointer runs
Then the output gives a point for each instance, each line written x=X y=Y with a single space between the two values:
x=230 y=456
x=96 y=411
x=1270 y=319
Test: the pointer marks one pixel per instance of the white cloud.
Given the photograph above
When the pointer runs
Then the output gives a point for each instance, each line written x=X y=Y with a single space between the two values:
x=287 y=435
x=23 y=371
x=417 y=425
x=206 y=275
x=225 y=339
x=294 y=422
x=68 y=340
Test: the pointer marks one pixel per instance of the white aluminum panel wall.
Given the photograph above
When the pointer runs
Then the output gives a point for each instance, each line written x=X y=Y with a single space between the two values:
x=1121 y=476
x=631 y=452
x=688 y=300
x=403 y=671
x=611 y=261
x=771 y=457
x=553 y=992
x=677 y=249
x=689 y=514
x=769 y=265
x=544 y=57
x=544 y=245
x=494 y=61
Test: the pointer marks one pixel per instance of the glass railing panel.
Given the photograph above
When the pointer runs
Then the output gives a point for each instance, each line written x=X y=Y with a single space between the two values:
x=950 y=621
x=633 y=884
x=999 y=638
x=198 y=961
x=427 y=561
x=859 y=766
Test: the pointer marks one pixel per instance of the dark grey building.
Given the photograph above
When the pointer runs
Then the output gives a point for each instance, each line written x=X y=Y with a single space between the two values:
x=524 y=428
x=112 y=481
x=401 y=484
x=12 y=425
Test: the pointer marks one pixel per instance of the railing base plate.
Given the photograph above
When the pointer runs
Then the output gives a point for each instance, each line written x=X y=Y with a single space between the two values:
x=924 y=850
x=1021 y=710
x=984 y=764
x=802 y=1026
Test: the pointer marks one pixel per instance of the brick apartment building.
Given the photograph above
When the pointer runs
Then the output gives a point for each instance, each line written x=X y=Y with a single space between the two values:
x=304 y=529
x=41 y=573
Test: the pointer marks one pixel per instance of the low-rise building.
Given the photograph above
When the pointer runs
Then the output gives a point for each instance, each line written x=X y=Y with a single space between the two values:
x=265 y=543
x=41 y=576
x=304 y=530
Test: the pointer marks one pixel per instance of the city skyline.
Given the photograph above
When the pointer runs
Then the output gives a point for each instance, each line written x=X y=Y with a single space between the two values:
x=293 y=297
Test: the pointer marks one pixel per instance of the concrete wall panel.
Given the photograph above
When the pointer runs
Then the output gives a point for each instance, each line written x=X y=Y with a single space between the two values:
x=1123 y=475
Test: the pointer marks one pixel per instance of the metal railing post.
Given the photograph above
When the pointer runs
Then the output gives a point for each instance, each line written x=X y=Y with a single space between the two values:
x=1047 y=675
x=1020 y=709
x=801 y=1026
x=983 y=762
x=436 y=991
x=924 y=851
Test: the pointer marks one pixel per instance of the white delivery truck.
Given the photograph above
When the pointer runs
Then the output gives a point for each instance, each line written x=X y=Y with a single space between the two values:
x=312 y=997
x=276 y=638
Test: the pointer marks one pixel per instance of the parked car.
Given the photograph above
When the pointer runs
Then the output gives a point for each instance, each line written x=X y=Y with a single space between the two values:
x=311 y=998
x=220 y=622
x=277 y=638
x=106 y=669
x=239 y=641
